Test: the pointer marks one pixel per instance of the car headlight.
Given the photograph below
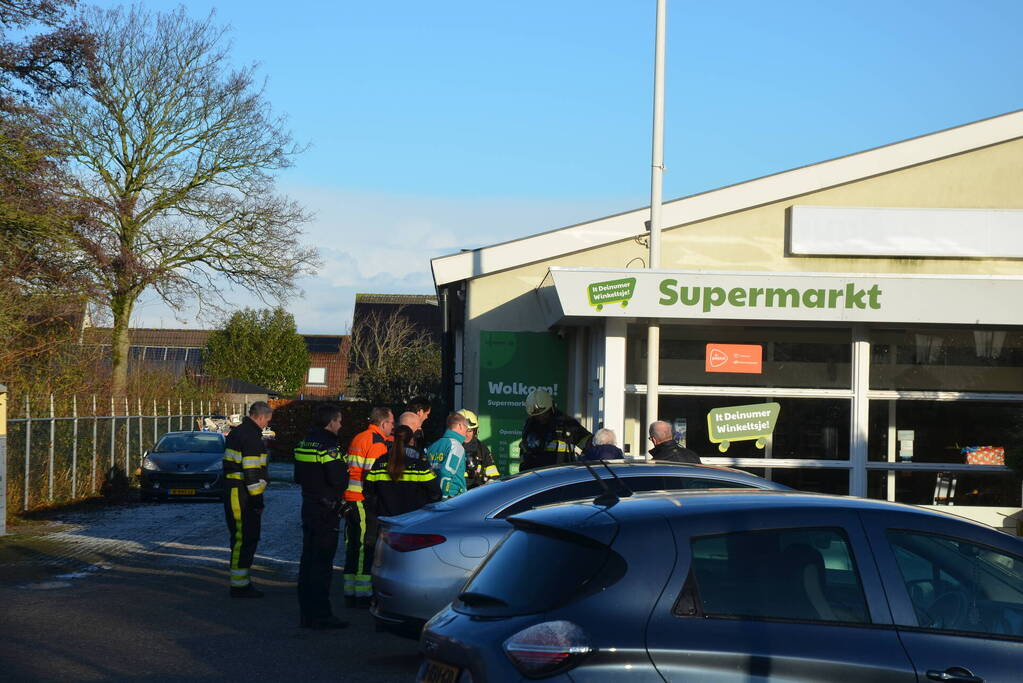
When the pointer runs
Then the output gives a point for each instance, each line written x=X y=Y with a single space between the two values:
x=148 y=464
x=215 y=466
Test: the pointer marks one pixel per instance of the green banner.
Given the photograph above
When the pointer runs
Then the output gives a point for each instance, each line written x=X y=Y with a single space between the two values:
x=742 y=423
x=512 y=364
x=620 y=291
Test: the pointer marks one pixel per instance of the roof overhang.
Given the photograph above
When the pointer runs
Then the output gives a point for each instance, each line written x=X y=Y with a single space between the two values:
x=766 y=190
x=578 y=295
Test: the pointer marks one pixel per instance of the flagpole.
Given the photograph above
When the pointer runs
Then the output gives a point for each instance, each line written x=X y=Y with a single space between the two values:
x=656 y=192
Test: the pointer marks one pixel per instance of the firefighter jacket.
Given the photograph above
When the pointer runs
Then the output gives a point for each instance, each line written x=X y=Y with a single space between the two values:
x=479 y=464
x=447 y=458
x=417 y=486
x=551 y=441
x=245 y=461
x=321 y=471
x=364 y=449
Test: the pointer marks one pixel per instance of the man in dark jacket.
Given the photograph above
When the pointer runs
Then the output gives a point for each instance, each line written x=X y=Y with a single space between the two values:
x=665 y=446
x=246 y=475
x=549 y=437
x=321 y=470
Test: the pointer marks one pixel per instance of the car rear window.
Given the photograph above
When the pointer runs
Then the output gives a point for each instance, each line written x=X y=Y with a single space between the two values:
x=805 y=574
x=535 y=571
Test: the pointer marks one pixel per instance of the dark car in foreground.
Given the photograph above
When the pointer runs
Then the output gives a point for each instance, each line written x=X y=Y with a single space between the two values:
x=737 y=586
x=424 y=557
x=184 y=464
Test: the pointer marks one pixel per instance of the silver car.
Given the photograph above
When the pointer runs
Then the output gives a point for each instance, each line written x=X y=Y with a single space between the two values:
x=424 y=557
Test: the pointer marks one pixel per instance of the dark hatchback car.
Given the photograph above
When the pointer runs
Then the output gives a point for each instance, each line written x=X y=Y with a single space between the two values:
x=737 y=586
x=184 y=464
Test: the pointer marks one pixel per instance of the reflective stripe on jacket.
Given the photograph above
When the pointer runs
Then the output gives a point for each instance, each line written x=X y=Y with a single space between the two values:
x=363 y=451
x=246 y=459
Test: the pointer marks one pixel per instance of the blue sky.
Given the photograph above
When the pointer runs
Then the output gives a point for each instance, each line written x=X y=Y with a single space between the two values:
x=435 y=126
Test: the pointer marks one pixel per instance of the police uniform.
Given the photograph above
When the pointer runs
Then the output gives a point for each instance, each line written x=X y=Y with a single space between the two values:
x=246 y=476
x=321 y=470
x=552 y=441
x=387 y=497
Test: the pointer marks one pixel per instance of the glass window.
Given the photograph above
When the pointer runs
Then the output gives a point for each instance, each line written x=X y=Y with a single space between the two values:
x=944 y=431
x=317 y=376
x=558 y=494
x=807 y=428
x=974 y=487
x=956 y=585
x=791 y=574
x=947 y=360
x=506 y=584
x=792 y=357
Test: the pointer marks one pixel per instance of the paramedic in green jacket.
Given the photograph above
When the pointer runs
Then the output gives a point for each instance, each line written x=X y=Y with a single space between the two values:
x=447 y=456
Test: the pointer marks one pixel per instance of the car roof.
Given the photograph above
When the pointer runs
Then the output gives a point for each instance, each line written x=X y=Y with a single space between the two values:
x=631 y=468
x=677 y=504
x=190 y=433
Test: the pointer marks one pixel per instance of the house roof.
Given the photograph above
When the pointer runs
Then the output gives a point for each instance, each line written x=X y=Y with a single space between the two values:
x=766 y=190
x=397 y=299
x=141 y=336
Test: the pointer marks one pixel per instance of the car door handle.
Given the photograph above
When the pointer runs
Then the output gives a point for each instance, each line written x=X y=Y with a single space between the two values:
x=954 y=673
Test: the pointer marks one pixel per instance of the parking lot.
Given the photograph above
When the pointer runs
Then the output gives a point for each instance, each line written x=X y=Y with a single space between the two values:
x=139 y=591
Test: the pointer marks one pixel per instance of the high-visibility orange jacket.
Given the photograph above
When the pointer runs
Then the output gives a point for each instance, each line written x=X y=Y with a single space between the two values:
x=363 y=451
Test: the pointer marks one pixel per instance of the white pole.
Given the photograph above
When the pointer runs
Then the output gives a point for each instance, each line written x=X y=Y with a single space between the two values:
x=656 y=187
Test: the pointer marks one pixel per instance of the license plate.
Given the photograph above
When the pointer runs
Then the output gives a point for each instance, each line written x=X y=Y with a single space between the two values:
x=436 y=672
x=182 y=492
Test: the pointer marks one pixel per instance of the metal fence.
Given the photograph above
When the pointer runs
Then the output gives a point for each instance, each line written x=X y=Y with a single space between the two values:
x=60 y=449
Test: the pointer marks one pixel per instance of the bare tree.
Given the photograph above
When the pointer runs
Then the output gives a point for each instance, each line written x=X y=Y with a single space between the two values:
x=392 y=360
x=174 y=154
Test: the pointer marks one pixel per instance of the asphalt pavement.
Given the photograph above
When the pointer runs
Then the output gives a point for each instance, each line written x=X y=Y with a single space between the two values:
x=139 y=591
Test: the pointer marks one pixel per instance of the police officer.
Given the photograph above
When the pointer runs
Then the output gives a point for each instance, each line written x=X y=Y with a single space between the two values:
x=321 y=470
x=549 y=436
x=479 y=463
x=246 y=475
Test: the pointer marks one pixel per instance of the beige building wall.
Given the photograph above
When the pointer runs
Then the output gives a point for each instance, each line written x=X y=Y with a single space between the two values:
x=754 y=240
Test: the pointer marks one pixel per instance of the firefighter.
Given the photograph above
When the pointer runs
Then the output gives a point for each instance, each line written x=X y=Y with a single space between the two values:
x=321 y=470
x=363 y=451
x=479 y=463
x=549 y=437
x=246 y=475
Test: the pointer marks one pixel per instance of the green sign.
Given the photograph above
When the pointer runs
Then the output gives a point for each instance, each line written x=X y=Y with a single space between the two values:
x=512 y=364
x=611 y=292
x=742 y=423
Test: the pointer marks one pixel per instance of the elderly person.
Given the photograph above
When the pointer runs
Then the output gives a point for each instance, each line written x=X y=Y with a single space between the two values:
x=604 y=447
x=665 y=446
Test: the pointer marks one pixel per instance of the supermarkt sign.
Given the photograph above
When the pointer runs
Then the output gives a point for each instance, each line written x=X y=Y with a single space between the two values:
x=853 y=297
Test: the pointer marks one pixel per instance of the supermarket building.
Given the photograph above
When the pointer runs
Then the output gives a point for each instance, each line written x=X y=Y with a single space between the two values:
x=875 y=299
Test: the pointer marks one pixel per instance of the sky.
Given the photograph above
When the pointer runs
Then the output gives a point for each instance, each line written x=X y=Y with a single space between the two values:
x=437 y=126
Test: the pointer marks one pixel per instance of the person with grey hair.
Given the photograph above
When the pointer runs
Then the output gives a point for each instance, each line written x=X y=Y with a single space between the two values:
x=246 y=476
x=666 y=447
x=604 y=447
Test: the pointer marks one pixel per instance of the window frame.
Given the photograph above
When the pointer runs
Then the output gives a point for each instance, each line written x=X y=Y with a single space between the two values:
x=309 y=376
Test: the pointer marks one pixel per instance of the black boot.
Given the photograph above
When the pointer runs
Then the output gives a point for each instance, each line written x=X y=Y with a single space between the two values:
x=249 y=591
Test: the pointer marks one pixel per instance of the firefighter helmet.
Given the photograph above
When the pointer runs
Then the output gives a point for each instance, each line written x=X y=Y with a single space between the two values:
x=470 y=418
x=538 y=402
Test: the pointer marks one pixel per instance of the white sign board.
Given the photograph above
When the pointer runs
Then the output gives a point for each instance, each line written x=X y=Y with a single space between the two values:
x=810 y=297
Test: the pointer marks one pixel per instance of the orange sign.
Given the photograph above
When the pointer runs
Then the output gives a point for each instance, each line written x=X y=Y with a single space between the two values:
x=746 y=358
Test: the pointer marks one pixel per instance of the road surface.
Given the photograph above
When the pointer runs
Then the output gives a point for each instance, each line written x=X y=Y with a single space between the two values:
x=139 y=591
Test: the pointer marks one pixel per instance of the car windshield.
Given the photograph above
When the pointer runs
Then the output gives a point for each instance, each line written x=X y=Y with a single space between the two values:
x=190 y=443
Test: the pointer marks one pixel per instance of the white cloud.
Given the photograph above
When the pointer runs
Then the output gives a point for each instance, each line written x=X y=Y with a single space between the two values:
x=378 y=242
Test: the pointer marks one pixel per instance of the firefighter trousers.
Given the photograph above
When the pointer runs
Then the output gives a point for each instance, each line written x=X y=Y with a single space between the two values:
x=243 y=527
x=358 y=556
